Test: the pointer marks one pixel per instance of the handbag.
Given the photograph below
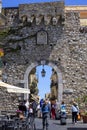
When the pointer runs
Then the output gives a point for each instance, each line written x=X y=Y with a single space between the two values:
x=78 y=117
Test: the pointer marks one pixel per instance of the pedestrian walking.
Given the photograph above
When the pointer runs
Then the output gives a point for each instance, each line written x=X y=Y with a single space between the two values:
x=45 y=114
x=31 y=118
x=75 y=111
x=53 y=111
x=57 y=110
x=63 y=115
x=41 y=104
x=27 y=107
x=34 y=107
x=22 y=107
x=63 y=107
x=38 y=111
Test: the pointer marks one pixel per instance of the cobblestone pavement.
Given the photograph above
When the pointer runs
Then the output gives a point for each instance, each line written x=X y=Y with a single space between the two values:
x=55 y=124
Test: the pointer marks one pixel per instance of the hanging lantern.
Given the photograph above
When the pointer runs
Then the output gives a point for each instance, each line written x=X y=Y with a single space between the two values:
x=43 y=72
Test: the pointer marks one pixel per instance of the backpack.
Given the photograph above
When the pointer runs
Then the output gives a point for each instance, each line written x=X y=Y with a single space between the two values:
x=46 y=108
x=34 y=107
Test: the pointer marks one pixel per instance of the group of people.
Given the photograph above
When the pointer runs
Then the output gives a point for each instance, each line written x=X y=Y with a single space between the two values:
x=31 y=109
x=53 y=108
x=50 y=110
x=47 y=110
x=26 y=108
x=74 y=110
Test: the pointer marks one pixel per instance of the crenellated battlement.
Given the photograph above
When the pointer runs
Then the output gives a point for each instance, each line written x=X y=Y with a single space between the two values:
x=42 y=12
x=48 y=13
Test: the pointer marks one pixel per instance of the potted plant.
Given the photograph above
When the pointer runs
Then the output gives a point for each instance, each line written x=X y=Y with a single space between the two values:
x=82 y=102
x=84 y=117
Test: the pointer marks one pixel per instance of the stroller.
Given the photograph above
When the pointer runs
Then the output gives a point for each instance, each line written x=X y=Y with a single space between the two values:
x=58 y=115
x=63 y=118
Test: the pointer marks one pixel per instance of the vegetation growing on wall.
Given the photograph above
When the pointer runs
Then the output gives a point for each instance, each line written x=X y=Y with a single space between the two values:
x=15 y=32
x=3 y=34
x=82 y=101
x=33 y=88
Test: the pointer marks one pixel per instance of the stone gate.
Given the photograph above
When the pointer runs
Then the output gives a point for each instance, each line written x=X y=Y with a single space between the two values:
x=46 y=31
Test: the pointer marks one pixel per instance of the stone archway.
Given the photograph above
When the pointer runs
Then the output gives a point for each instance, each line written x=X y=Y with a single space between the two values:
x=60 y=81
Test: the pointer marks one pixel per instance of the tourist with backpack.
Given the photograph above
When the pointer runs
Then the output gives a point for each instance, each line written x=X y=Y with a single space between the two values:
x=45 y=114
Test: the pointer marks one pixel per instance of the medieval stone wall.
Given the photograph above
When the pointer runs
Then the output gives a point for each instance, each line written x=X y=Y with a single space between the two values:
x=51 y=8
x=75 y=71
x=12 y=15
x=62 y=44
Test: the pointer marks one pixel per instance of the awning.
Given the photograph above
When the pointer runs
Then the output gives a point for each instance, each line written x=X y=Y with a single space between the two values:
x=14 y=89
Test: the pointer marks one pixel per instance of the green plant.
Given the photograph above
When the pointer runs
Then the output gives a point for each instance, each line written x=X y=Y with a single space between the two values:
x=3 y=34
x=85 y=98
x=85 y=113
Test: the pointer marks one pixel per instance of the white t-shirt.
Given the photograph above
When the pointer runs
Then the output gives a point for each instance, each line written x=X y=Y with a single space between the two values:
x=74 y=109
x=30 y=110
x=27 y=104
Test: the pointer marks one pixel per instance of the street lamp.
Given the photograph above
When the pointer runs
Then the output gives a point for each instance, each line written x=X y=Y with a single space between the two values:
x=43 y=72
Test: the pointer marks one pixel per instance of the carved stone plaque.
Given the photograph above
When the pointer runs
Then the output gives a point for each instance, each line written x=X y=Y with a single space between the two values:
x=42 y=37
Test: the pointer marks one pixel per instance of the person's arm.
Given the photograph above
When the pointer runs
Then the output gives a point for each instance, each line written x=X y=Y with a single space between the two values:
x=78 y=109
x=49 y=108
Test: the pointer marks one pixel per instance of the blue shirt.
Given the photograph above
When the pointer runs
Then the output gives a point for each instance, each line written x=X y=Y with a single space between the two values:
x=63 y=107
x=45 y=108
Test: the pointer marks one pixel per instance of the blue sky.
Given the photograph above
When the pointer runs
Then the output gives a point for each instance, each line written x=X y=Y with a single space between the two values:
x=44 y=82
x=14 y=3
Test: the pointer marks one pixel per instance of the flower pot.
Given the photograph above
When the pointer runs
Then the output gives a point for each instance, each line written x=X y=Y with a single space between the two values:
x=84 y=118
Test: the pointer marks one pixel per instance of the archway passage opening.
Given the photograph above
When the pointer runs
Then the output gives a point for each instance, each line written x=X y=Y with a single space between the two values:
x=43 y=83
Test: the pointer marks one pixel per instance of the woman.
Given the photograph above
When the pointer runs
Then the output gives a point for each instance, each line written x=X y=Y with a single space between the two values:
x=53 y=112
x=75 y=111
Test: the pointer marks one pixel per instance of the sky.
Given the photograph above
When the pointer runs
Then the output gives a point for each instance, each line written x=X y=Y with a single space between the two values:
x=15 y=3
x=44 y=82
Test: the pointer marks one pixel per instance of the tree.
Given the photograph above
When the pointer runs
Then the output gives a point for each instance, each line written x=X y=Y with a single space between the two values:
x=33 y=88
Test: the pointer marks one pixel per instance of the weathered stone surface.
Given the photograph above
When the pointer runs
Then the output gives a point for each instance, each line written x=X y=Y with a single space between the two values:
x=64 y=45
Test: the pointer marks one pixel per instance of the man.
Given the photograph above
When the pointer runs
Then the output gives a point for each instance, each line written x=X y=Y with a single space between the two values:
x=45 y=114
x=34 y=107
x=27 y=107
